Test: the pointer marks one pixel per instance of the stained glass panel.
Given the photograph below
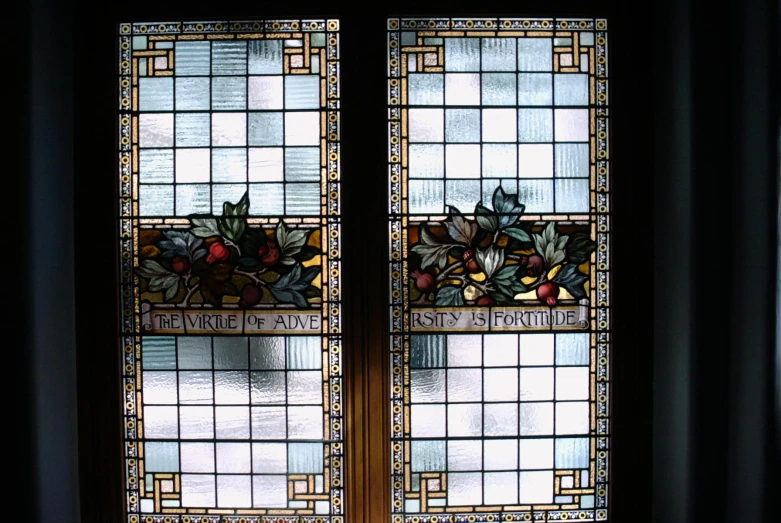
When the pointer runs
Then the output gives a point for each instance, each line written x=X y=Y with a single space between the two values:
x=499 y=263
x=230 y=277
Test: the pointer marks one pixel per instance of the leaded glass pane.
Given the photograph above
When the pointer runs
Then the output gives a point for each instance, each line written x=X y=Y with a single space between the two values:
x=499 y=225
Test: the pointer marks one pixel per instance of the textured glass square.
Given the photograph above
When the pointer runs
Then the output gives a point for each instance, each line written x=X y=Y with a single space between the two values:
x=195 y=352
x=229 y=165
x=501 y=350
x=572 y=453
x=266 y=198
x=536 y=418
x=265 y=164
x=156 y=165
x=462 y=89
x=490 y=185
x=535 y=161
x=500 y=384
x=232 y=422
x=229 y=58
x=195 y=387
x=536 y=384
x=408 y=38
x=198 y=490
x=499 y=125
x=498 y=54
x=500 y=160
x=269 y=491
x=500 y=419
x=425 y=89
x=537 y=349
x=462 y=125
x=267 y=352
x=266 y=92
x=572 y=195
x=465 y=488
x=304 y=387
x=536 y=454
x=192 y=129
x=535 y=487
x=231 y=387
x=234 y=491
x=464 y=454
x=192 y=58
x=305 y=422
x=161 y=456
x=427 y=351
x=156 y=130
x=156 y=94
x=233 y=457
x=462 y=161
x=158 y=352
x=537 y=195
x=462 y=54
x=499 y=89
x=302 y=92
x=192 y=166
x=500 y=454
x=428 y=421
x=192 y=199
x=155 y=200
x=265 y=129
x=302 y=164
x=535 y=89
x=197 y=457
x=572 y=349
x=268 y=422
x=159 y=387
x=464 y=419
x=231 y=352
x=426 y=125
x=160 y=423
x=570 y=89
x=535 y=125
x=304 y=352
x=302 y=128
x=305 y=458
x=269 y=457
x=428 y=456
x=501 y=488
x=462 y=194
x=535 y=54
x=426 y=196
x=572 y=160
x=193 y=94
x=572 y=417
x=139 y=42
x=265 y=57
x=572 y=125
x=586 y=38
x=427 y=386
x=229 y=93
x=464 y=385
x=226 y=192
x=302 y=199
x=229 y=129
x=426 y=161
x=268 y=387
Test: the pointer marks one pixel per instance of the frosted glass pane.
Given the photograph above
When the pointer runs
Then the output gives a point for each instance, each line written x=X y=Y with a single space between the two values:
x=303 y=352
x=161 y=457
x=499 y=89
x=302 y=164
x=197 y=457
x=572 y=453
x=464 y=350
x=464 y=454
x=572 y=160
x=537 y=349
x=192 y=165
x=537 y=195
x=193 y=94
x=572 y=195
x=192 y=129
x=232 y=422
x=305 y=422
x=462 y=125
x=156 y=130
x=427 y=351
x=268 y=422
x=462 y=161
x=195 y=387
x=156 y=166
x=462 y=89
x=465 y=489
x=265 y=164
x=535 y=125
x=156 y=94
x=464 y=419
x=304 y=387
x=462 y=194
x=498 y=54
x=198 y=490
x=231 y=387
x=464 y=385
x=501 y=350
x=426 y=196
x=500 y=419
x=269 y=491
x=194 y=352
x=160 y=423
x=267 y=352
x=425 y=89
x=224 y=192
x=572 y=349
x=265 y=129
x=269 y=457
x=500 y=488
x=229 y=58
x=192 y=199
x=158 y=352
x=427 y=421
x=572 y=418
x=159 y=388
x=196 y=422
x=302 y=199
x=500 y=384
x=499 y=125
x=268 y=387
x=302 y=92
x=427 y=386
x=265 y=92
x=192 y=58
x=572 y=383
x=535 y=54
x=426 y=161
x=535 y=161
x=266 y=198
x=535 y=89
x=570 y=89
x=536 y=384
x=229 y=165
x=428 y=456
x=501 y=454
x=500 y=160
x=536 y=418
x=462 y=54
x=234 y=491
x=302 y=128
x=155 y=200
x=265 y=57
x=426 y=125
x=233 y=457
x=535 y=487
x=571 y=125
x=229 y=93
x=229 y=129
x=536 y=454
x=305 y=458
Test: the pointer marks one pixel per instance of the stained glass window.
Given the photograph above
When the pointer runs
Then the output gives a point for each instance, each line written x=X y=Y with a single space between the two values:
x=230 y=274
x=499 y=263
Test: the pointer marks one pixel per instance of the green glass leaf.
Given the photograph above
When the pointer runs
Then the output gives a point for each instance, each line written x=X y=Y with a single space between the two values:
x=449 y=295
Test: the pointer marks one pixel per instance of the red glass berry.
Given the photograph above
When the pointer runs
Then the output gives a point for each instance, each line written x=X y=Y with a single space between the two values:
x=180 y=265
x=217 y=252
x=548 y=292
x=269 y=254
